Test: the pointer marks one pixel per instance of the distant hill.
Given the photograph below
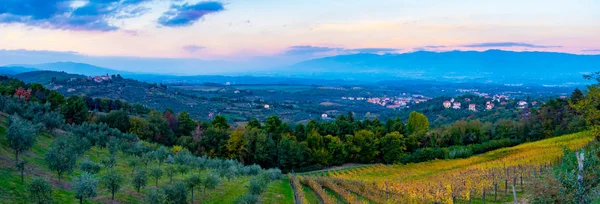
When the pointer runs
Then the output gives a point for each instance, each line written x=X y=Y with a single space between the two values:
x=73 y=68
x=45 y=77
x=12 y=70
x=488 y=66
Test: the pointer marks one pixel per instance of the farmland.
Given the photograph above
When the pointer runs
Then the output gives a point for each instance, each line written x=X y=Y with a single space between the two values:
x=457 y=180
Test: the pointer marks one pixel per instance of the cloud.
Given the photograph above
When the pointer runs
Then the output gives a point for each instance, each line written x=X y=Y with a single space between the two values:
x=374 y=50
x=591 y=50
x=192 y=48
x=429 y=47
x=308 y=49
x=507 y=44
x=187 y=14
x=93 y=15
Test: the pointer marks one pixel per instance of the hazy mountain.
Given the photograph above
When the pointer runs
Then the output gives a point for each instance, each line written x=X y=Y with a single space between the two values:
x=491 y=66
x=12 y=70
x=72 y=68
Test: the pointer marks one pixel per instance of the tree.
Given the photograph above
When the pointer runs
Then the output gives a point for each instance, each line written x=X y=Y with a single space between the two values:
x=112 y=181
x=589 y=106
x=118 y=119
x=60 y=157
x=89 y=166
x=75 y=110
x=40 y=191
x=183 y=168
x=393 y=147
x=133 y=163
x=417 y=126
x=362 y=146
x=139 y=180
x=21 y=167
x=186 y=124
x=161 y=155
x=84 y=187
x=220 y=122
x=20 y=135
x=211 y=181
x=193 y=181
x=170 y=170
x=579 y=173
x=140 y=127
x=156 y=173
x=155 y=196
x=236 y=145
x=56 y=99
x=159 y=126
x=176 y=193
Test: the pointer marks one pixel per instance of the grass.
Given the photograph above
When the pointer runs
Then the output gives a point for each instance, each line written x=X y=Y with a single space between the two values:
x=310 y=195
x=279 y=191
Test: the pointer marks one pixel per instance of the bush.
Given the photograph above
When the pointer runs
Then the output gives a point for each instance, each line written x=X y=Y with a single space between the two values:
x=247 y=199
x=257 y=185
x=274 y=174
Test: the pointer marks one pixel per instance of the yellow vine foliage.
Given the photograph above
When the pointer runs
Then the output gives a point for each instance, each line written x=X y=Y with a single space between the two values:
x=445 y=181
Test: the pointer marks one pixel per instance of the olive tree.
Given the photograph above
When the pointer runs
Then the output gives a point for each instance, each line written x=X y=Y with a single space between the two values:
x=155 y=196
x=20 y=135
x=40 y=191
x=112 y=181
x=211 y=181
x=193 y=181
x=156 y=173
x=21 y=167
x=176 y=193
x=140 y=180
x=60 y=158
x=85 y=187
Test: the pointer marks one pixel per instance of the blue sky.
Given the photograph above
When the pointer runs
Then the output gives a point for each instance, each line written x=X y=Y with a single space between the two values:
x=265 y=33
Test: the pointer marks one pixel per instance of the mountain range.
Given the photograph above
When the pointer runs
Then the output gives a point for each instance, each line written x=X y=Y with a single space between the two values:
x=492 y=66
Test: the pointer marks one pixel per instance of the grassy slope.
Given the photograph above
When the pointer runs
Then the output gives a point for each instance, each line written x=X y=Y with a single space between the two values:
x=12 y=191
x=279 y=191
x=310 y=195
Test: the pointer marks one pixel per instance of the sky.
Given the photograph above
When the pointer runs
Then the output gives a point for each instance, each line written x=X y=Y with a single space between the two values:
x=256 y=34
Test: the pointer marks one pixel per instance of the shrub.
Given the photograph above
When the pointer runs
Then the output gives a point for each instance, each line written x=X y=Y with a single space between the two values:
x=247 y=199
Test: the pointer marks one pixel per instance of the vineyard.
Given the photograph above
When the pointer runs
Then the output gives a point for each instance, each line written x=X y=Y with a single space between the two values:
x=496 y=176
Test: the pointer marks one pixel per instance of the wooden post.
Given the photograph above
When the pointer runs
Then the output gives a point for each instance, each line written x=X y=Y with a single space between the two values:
x=495 y=191
x=515 y=195
x=505 y=187
x=483 y=198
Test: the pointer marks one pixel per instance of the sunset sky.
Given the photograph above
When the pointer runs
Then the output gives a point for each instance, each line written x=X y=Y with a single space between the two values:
x=290 y=30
